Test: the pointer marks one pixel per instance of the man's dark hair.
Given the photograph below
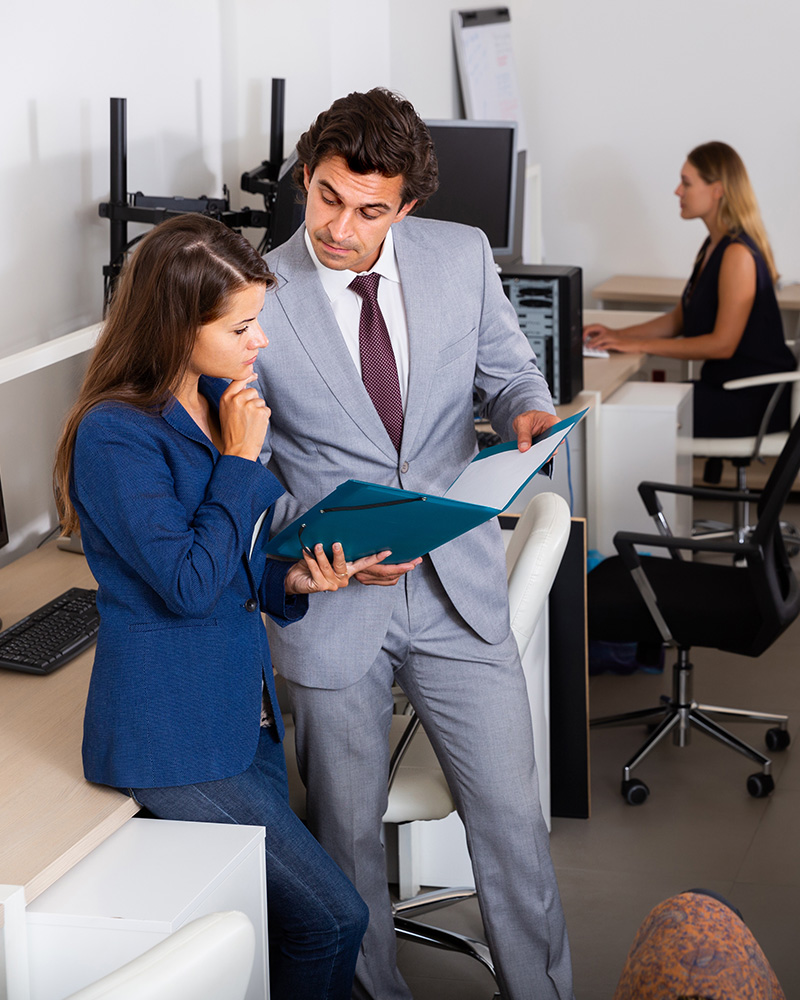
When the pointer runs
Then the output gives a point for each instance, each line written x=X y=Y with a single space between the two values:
x=377 y=132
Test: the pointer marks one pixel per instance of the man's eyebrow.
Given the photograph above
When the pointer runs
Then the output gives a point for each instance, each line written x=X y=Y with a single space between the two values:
x=375 y=204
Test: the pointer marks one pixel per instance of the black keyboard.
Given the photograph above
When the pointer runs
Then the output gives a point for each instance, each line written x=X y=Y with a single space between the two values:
x=51 y=635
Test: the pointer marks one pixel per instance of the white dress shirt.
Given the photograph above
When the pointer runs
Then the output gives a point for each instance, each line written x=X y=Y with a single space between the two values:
x=346 y=306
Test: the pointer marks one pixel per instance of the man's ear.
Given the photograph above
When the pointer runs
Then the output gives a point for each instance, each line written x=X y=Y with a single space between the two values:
x=306 y=177
x=404 y=210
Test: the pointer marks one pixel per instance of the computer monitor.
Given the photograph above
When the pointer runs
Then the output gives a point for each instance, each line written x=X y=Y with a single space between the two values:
x=288 y=208
x=477 y=178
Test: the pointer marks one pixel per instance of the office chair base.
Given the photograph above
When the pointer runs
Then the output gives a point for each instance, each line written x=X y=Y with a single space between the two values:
x=412 y=930
x=678 y=714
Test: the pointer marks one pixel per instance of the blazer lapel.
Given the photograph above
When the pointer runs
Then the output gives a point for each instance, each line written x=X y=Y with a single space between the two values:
x=424 y=316
x=309 y=313
x=179 y=419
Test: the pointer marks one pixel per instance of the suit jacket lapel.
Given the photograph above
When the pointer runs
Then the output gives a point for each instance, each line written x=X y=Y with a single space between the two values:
x=309 y=313
x=179 y=419
x=424 y=317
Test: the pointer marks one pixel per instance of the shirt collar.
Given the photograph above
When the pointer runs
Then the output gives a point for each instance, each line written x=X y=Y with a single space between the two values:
x=335 y=282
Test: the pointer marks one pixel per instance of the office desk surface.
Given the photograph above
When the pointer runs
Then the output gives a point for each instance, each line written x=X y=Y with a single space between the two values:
x=639 y=288
x=50 y=817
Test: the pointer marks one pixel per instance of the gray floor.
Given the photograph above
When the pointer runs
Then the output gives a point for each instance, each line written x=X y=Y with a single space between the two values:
x=698 y=828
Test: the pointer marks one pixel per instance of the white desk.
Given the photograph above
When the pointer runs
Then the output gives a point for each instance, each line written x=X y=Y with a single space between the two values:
x=583 y=479
x=139 y=886
x=638 y=289
x=51 y=818
x=664 y=293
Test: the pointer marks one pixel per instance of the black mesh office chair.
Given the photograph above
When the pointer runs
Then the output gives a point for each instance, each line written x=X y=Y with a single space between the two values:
x=740 y=608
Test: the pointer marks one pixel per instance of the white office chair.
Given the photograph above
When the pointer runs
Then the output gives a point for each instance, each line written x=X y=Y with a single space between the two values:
x=210 y=958
x=742 y=451
x=417 y=789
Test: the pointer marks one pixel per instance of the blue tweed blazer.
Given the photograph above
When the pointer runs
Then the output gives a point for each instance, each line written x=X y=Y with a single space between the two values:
x=167 y=525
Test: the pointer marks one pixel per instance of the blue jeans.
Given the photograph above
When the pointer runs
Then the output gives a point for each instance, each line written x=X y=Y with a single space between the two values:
x=316 y=917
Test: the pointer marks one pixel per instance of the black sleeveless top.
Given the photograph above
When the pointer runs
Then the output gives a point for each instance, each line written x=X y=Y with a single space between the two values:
x=762 y=348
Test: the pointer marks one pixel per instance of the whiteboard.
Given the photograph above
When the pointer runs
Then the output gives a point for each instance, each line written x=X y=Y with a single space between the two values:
x=485 y=59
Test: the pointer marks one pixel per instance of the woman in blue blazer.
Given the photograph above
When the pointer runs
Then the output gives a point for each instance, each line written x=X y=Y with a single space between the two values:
x=159 y=467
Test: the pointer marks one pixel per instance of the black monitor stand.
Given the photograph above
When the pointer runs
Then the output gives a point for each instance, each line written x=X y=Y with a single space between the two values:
x=273 y=179
x=123 y=208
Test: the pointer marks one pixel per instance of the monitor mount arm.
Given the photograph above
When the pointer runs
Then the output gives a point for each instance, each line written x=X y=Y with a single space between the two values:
x=123 y=208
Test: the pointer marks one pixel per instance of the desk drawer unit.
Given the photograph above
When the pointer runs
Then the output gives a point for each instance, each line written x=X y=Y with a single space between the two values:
x=639 y=429
x=138 y=887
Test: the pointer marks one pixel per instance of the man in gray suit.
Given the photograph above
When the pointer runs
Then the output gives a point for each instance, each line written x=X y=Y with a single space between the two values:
x=344 y=406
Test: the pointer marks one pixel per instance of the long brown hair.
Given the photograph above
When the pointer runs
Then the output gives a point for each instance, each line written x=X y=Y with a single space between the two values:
x=376 y=132
x=180 y=277
x=738 y=209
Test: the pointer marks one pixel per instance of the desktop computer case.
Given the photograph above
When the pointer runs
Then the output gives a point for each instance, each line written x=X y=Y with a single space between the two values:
x=549 y=304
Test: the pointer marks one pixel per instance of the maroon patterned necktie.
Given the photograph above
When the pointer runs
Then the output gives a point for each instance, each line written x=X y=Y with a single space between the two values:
x=378 y=365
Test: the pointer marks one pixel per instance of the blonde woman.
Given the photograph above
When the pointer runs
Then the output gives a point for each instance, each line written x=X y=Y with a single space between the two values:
x=728 y=315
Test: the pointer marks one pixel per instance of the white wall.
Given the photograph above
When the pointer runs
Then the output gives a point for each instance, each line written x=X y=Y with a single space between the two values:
x=62 y=63
x=618 y=92
x=197 y=78
x=615 y=95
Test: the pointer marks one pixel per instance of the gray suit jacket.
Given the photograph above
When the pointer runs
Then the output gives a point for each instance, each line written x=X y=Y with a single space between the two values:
x=463 y=334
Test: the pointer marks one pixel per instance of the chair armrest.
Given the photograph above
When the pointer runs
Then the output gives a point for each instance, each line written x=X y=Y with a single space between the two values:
x=624 y=542
x=780 y=381
x=648 y=490
x=774 y=378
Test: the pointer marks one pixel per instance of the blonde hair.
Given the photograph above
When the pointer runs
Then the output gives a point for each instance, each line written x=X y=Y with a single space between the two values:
x=738 y=209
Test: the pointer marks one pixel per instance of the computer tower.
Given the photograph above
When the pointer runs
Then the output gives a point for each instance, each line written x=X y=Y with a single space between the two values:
x=549 y=304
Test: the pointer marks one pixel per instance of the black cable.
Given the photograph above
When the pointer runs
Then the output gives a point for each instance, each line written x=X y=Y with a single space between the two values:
x=116 y=266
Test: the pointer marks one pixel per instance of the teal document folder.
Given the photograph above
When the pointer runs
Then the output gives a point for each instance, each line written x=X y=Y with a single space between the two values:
x=368 y=518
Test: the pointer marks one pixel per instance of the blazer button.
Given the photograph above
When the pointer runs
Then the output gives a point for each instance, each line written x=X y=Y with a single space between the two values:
x=404 y=467
x=251 y=604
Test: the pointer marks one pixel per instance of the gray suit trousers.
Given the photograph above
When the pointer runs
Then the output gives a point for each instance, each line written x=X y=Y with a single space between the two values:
x=470 y=696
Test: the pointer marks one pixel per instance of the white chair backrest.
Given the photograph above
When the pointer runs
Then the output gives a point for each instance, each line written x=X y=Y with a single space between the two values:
x=794 y=399
x=532 y=559
x=794 y=402
x=210 y=958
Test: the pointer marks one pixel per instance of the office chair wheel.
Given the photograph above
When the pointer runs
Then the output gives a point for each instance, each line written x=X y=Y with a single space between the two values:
x=635 y=792
x=777 y=739
x=760 y=785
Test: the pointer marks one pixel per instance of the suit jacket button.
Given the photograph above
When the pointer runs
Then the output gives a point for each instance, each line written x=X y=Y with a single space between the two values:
x=404 y=467
x=251 y=604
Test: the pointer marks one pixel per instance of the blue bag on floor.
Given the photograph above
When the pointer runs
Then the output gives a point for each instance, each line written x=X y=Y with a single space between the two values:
x=621 y=657
x=624 y=658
